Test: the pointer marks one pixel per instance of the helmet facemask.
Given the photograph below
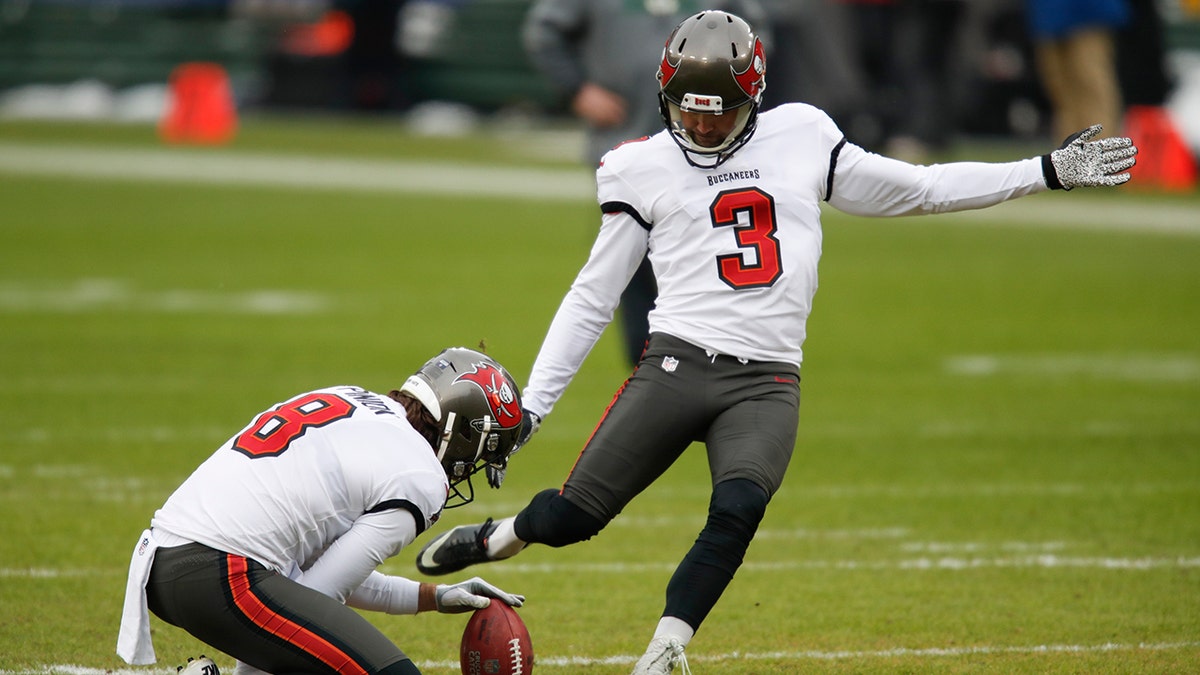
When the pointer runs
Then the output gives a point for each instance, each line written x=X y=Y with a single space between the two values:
x=708 y=157
x=481 y=434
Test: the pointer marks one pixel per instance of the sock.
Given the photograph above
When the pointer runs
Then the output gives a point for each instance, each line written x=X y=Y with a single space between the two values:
x=503 y=542
x=669 y=626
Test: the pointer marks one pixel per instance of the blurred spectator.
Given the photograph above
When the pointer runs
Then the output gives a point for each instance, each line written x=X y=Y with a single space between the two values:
x=1141 y=56
x=903 y=53
x=1169 y=163
x=339 y=53
x=374 y=66
x=811 y=58
x=925 y=52
x=1001 y=94
x=873 y=38
x=1074 y=44
x=601 y=56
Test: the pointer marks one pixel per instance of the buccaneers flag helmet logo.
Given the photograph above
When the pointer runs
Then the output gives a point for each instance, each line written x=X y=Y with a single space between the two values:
x=500 y=395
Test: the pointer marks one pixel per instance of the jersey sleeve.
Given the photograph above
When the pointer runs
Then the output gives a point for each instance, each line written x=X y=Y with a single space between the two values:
x=586 y=309
x=865 y=184
x=386 y=593
x=421 y=493
x=351 y=558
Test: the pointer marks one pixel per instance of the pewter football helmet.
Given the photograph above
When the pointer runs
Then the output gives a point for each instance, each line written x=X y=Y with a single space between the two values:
x=478 y=408
x=712 y=63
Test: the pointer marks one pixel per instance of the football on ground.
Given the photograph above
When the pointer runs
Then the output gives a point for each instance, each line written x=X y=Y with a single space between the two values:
x=496 y=642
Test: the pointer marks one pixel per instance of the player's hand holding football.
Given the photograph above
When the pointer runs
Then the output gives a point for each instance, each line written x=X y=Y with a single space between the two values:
x=469 y=595
x=1082 y=162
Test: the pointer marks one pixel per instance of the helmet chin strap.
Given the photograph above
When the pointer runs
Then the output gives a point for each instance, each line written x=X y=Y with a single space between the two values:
x=468 y=469
x=484 y=433
x=446 y=431
x=703 y=157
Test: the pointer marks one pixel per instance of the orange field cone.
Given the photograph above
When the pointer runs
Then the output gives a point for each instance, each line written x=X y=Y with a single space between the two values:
x=200 y=106
x=1164 y=161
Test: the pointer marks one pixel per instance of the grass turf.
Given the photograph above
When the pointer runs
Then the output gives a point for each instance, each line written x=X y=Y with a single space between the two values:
x=999 y=458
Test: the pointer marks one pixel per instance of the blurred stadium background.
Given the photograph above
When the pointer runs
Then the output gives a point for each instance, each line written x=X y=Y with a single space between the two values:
x=112 y=59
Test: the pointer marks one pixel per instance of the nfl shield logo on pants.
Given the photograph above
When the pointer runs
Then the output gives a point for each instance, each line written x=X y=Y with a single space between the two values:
x=670 y=363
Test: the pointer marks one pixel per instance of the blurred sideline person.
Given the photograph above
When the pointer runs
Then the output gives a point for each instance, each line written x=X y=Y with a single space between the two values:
x=812 y=57
x=727 y=202
x=927 y=47
x=599 y=56
x=1075 y=49
x=264 y=549
x=903 y=73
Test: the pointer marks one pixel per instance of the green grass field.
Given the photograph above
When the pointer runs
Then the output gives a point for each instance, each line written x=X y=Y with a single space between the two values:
x=998 y=466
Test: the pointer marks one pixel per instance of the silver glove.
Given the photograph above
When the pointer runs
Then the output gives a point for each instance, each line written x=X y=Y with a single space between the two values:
x=469 y=595
x=1082 y=162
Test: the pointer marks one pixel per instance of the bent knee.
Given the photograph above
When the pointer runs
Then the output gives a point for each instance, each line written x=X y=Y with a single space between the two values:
x=740 y=501
x=553 y=520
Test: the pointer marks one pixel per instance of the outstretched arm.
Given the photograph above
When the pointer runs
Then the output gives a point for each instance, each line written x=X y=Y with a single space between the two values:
x=585 y=311
x=867 y=184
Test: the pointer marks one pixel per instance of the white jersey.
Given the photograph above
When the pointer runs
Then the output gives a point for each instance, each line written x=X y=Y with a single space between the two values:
x=301 y=476
x=735 y=248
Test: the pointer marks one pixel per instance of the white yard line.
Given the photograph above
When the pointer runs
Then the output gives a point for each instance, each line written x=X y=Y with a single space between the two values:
x=1138 y=367
x=948 y=563
x=116 y=295
x=225 y=167
x=304 y=172
x=700 y=657
x=1070 y=212
x=920 y=563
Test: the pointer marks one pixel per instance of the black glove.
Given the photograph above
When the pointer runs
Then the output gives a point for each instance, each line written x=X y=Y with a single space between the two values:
x=1082 y=162
x=496 y=471
x=530 y=423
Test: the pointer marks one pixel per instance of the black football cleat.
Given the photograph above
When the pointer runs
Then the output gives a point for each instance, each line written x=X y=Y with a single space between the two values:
x=457 y=549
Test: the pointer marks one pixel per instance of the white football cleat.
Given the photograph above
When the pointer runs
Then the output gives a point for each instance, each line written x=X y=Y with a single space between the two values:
x=661 y=657
x=200 y=666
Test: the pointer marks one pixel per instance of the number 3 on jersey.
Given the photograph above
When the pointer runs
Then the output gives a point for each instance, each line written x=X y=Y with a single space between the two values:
x=274 y=430
x=758 y=235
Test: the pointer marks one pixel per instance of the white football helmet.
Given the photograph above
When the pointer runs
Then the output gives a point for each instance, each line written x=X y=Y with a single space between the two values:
x=714 y=63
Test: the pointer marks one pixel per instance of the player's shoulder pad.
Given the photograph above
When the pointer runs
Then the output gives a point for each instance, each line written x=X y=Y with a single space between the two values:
x=635 y=152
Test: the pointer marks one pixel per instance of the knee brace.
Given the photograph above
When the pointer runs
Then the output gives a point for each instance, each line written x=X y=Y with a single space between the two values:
x=736 y=509
x=552 y=520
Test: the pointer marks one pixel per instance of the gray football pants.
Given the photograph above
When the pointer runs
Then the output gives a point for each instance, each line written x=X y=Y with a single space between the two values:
x=745 y=413
x=264 y=619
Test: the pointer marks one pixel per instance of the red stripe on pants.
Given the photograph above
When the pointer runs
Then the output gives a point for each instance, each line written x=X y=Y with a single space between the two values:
x=280 y=626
